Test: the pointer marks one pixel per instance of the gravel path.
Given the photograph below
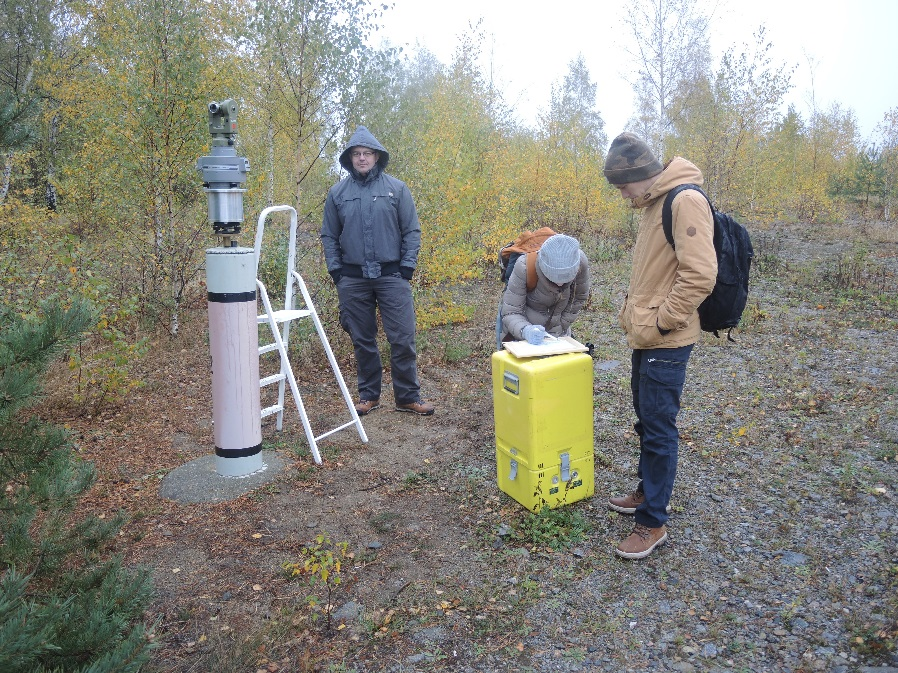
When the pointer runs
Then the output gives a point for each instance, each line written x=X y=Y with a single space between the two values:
x=782 y=553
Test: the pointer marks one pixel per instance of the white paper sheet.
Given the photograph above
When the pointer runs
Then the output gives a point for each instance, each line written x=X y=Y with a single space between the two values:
x=549 y=346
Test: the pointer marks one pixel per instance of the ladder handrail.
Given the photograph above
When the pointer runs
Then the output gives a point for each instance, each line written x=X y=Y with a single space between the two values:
x=260 y=228
x=319 y=328
x=281 y=337
x=289 y=372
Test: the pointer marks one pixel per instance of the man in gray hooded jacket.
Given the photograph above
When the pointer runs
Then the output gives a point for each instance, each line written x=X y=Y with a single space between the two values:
x=371 y=237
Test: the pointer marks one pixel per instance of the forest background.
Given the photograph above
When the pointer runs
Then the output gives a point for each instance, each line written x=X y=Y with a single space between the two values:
x=103 y=117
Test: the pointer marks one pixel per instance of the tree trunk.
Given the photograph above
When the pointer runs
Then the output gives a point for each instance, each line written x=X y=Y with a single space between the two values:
x=888 y=191
x=52 y=142
x=299 y=130
x=270 y=190
x=5 y=176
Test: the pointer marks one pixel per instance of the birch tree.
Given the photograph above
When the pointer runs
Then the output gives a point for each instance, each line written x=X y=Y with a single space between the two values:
x=131 y=188
x=671 y=56
x=571 y=135
x=27 y=32
x=887 y=130
x=725 y=129
x=310 y=59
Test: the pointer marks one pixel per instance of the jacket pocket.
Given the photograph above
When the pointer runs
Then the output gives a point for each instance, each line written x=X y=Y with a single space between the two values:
x=622 y=315
x=643 y=326
x=349 y=206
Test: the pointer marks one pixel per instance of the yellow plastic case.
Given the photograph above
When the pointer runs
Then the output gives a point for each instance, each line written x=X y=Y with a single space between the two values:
x=543 y=414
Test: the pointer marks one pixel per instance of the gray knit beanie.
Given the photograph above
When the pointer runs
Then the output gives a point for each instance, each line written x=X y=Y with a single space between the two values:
x=630 y=160
x=559 y=258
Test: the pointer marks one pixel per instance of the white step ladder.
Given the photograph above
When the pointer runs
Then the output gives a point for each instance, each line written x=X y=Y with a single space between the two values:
x=279 y=323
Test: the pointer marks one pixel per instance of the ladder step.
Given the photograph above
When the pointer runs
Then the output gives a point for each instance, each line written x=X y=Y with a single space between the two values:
x=335 y=430
x=267 y=349
x=268 y=411
x=284 y=315
x=274 y=378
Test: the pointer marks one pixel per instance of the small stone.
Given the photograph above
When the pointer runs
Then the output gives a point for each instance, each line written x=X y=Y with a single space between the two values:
x=348 y=611
x=432 y=634
x=793 y=559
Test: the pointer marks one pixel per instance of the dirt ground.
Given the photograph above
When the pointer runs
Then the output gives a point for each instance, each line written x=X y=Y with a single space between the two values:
x=444 y=571
x=399 y=501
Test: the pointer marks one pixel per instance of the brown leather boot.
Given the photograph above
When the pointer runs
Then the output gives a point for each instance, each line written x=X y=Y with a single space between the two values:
x=627 y=504
x=641 y=542
x=365 y=407
x=421 y=408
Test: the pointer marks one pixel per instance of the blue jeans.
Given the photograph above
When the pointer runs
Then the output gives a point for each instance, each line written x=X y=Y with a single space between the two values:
x=656 y=381
x=360 y=300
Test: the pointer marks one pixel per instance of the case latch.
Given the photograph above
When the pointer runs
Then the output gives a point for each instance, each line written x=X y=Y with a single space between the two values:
x=511 y=383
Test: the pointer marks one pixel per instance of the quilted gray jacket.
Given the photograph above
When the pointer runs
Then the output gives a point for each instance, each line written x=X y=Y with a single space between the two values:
x=546 y=305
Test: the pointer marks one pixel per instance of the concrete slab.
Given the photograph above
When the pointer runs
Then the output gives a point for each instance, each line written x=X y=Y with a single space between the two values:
x=197 y=481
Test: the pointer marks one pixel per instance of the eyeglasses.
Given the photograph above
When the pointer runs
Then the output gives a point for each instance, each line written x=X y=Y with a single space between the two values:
x=366 y=153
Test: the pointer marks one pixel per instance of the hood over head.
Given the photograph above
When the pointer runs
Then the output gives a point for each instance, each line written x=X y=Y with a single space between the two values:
x=362 y=137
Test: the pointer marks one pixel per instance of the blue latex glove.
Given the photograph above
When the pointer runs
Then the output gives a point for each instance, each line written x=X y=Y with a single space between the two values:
x=534 y=334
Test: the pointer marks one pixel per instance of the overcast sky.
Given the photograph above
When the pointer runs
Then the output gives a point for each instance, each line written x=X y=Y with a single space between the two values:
x=852 y=46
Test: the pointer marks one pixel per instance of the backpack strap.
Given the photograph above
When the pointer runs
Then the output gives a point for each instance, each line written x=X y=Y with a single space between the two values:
x=531 y=271
x=667 y=210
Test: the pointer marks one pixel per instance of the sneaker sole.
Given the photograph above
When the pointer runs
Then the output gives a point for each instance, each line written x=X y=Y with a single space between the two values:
x=417 y=413
x=365 y=413
x=633 y=555
x=630 y=510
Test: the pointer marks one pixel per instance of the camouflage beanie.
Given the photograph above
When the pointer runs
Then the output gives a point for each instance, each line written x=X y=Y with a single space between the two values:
x=630 y=160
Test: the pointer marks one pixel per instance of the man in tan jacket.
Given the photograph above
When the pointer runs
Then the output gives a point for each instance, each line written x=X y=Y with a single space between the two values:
x=660 y=319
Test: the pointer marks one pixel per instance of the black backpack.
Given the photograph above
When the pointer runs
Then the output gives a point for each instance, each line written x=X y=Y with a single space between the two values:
x=723 y=308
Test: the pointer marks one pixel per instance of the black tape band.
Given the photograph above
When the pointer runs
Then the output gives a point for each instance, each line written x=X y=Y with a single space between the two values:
x=238 y=453
x=231 y=297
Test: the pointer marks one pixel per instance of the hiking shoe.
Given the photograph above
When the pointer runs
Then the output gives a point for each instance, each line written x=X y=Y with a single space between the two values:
x=419 y=407
x=365 y=407
x=627 y=504
x=641 y=542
